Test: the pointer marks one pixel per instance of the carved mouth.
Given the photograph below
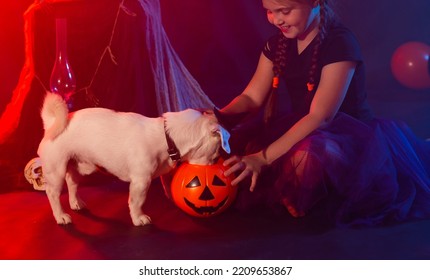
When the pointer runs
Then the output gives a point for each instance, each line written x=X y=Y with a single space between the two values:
x=205 y=210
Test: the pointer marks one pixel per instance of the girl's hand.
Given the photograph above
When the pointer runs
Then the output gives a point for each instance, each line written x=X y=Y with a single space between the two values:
x=250 y=165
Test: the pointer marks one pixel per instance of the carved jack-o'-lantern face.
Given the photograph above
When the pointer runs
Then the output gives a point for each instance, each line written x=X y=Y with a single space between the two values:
x=202 y=190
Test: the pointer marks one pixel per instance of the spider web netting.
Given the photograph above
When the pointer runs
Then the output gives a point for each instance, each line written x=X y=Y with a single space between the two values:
x=122 y=59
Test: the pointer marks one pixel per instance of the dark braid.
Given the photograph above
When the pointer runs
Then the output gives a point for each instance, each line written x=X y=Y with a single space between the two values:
x=279 y=64
x=279 y=61
x=320 y=37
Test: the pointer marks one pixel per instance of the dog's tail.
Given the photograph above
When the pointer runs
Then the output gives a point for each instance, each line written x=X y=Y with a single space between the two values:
x=54 y=115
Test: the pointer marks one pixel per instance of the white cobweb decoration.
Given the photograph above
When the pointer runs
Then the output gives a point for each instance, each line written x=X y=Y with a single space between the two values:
x=176 y=89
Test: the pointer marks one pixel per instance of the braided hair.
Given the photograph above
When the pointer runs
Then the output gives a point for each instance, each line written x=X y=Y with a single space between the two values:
x=280 y=62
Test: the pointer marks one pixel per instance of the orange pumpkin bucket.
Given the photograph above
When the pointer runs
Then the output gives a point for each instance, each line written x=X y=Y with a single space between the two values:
x=202 y=190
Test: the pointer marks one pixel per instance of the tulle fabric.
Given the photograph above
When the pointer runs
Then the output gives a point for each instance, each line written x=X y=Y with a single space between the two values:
x=354 y=173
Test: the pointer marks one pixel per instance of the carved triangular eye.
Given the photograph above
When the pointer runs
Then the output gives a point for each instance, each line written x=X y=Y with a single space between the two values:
x=206 y=195
x=218 y=182
x=195 y=182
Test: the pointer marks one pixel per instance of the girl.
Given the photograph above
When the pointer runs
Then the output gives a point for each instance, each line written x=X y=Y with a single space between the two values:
x=319 y=144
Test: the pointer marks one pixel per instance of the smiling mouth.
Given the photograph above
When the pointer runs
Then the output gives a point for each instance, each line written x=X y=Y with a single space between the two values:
x=205 y=209
x=284 y=29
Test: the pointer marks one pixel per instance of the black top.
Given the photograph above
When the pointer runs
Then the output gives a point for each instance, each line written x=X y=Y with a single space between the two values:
x=339 y=44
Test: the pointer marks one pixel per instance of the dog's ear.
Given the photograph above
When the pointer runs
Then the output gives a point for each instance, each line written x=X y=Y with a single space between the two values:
x=225 y=136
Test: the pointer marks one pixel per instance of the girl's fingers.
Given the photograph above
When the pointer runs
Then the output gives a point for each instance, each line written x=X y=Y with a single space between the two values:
x=253 y=181
x=238 y=166
x=231 y=160
x=239 y=178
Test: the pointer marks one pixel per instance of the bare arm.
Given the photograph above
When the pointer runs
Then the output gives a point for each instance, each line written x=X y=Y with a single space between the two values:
x=334 y=82
x=335 y=79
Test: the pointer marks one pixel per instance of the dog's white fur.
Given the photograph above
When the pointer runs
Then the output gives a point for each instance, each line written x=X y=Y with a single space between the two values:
x=128 y=145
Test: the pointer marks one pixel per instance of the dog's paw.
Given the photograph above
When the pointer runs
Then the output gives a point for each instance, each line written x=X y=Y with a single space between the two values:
x=77 y=204
x=142 y=220
x=63 y=219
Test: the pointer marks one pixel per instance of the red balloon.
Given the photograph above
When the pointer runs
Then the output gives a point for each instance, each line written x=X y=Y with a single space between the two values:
x=410 y=65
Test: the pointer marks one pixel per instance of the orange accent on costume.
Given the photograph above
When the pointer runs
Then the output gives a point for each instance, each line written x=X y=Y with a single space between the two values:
x=275 y=82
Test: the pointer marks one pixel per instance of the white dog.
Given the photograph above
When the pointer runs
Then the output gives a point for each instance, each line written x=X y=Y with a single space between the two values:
x=130 y=146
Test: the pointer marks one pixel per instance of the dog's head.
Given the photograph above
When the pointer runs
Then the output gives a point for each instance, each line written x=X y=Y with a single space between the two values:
x=198 y=135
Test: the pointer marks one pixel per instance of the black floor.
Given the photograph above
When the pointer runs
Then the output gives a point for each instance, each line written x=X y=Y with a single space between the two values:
x=104 y=231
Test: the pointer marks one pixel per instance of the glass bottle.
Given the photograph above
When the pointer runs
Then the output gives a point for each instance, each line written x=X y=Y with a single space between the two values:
x=62 y=79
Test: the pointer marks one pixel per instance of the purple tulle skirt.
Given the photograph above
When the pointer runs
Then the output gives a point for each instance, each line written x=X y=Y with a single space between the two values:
x=354 y=173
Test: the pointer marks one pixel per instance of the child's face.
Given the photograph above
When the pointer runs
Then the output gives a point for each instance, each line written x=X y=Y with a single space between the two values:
x=293 y=18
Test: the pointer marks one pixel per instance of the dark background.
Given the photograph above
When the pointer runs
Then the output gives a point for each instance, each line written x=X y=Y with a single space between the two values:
x=220 y=40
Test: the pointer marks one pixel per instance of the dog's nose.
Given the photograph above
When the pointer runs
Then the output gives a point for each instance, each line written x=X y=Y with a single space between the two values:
x=206 y=194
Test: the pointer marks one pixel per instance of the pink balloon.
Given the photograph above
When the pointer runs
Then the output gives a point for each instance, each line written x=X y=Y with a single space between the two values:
x=410 y=65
